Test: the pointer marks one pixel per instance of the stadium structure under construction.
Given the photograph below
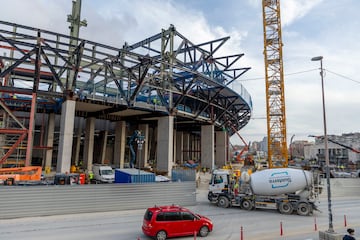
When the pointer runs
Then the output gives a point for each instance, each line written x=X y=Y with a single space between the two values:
x=69 y=101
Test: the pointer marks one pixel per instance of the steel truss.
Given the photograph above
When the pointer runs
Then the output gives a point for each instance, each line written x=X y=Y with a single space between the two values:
x=165 y=74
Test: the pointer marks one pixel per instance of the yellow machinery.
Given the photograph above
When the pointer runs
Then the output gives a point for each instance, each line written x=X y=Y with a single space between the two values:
x=274 y=78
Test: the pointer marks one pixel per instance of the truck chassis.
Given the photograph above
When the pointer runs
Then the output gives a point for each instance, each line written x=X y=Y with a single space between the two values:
x=285 y=204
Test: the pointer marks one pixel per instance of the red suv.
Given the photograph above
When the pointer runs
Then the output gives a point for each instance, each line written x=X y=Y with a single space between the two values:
x=161 y=222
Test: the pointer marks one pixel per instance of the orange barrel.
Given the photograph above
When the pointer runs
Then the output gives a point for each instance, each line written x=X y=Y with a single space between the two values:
x=82 y=178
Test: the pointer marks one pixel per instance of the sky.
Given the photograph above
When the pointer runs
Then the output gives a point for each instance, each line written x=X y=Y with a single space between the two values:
x=328 y=28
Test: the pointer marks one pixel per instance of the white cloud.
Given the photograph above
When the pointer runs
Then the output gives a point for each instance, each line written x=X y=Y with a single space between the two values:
x=291 y=10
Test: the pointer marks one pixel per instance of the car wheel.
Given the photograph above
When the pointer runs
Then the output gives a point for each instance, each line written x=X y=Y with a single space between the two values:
x=304 y=209
x=223 y=202
x=161 y=235
x=204 y=231
x=247 y=205
x=285 y=208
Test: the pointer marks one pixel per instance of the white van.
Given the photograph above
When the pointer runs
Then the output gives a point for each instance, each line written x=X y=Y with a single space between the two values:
x=103 y=173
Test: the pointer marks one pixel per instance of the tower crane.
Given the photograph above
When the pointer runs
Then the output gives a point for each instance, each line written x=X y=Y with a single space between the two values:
x=274 y=80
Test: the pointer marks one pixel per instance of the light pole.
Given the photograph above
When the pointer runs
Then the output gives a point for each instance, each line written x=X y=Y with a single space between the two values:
x=140 y=139
x=331 y=229
x=291 y=147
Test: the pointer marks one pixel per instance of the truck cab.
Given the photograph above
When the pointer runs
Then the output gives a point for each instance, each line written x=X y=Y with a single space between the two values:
x=103 y=173
x=219 y=183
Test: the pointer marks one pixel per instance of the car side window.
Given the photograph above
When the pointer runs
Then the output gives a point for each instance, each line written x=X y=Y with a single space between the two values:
x=172 y=216
x=160 y=217
x=187 y=216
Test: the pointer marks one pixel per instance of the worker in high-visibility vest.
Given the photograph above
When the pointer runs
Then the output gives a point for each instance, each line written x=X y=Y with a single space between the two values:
x=91 y=176
x=236 y=186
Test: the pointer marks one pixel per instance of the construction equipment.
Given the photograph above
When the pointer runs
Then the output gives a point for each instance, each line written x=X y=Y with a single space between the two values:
x=287 y=190
x=246 y=146
x=274 y=79
x=20 y=175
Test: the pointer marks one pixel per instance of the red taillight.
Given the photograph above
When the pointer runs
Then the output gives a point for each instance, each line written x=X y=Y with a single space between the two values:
x=146 y=224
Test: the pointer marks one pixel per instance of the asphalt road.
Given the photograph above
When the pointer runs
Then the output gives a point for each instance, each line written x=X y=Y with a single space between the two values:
x=228 y=223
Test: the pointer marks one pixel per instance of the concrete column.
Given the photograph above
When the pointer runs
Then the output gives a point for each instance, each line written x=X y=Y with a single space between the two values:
x=66 y=136
x=179 y=158
x=174 y=149
x=186 y=147
x=49 y=141
x=143 y=154
x=120 y=144
x=195 y=148
x=89 y=143
x=104 y=136
x=207 y=146
x=221 y=148
x=78 y=141
x=165 y=147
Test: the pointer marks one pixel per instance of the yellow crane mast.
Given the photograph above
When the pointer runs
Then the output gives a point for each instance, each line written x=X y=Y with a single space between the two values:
x=274 y=80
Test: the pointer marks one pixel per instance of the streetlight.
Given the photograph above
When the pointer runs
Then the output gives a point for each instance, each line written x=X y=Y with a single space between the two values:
x=291 y=147
x=331 y=229
x=140 y=139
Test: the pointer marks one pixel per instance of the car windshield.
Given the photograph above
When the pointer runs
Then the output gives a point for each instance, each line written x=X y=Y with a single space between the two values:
x=106 y=172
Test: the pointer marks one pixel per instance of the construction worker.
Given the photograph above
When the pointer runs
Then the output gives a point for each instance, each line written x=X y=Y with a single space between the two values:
x=236 y=187
x=91 y=176
x=156 y=101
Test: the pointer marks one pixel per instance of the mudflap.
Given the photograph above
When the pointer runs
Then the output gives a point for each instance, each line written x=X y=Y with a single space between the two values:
x=315 y=208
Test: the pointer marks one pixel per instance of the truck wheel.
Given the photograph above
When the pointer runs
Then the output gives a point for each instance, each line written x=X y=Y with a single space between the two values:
x=285 y=208
x=161 y=235
x=304 y=209
x=247 y=205
x=204 y=231
x=223 y=202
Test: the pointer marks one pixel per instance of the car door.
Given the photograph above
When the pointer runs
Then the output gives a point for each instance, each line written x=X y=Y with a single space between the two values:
x=172 y=224
x=188 y=223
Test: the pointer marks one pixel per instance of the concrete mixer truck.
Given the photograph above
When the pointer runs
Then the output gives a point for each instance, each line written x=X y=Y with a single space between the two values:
x=287 y=190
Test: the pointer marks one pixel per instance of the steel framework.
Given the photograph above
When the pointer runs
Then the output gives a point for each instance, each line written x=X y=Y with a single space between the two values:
x=274 y=81
x=165 y=74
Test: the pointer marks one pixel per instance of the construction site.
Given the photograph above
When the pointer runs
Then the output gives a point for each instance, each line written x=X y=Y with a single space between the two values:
x=74 y=111
x=70 y=103
x=67 y=101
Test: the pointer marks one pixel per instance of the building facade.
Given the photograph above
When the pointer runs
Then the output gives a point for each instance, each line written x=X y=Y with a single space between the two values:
x=344 y=150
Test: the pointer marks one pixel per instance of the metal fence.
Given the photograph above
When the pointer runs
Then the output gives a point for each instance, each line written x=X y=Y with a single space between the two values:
x=183 y=175
x=32 y=201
